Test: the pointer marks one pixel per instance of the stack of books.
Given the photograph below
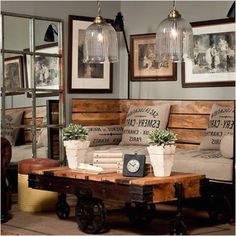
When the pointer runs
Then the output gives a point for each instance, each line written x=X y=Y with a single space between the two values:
x=112 y=161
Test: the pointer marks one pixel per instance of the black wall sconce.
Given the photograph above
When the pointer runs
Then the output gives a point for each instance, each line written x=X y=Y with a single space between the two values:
x=119 y=27
x=231 y=13
x=49 y=35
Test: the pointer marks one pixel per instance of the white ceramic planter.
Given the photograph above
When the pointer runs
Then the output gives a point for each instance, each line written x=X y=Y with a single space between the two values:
x=75 y=152
x=162 y=159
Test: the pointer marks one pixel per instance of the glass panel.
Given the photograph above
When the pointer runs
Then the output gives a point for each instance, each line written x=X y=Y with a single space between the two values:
x=30 y=79
x=16 y=33
x=46 y=34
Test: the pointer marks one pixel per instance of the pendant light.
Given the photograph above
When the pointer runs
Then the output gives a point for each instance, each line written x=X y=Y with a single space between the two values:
x=174 y=38
x=101 y=44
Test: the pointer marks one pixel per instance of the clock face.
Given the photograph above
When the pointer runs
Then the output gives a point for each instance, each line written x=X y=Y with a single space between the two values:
x=133 y=165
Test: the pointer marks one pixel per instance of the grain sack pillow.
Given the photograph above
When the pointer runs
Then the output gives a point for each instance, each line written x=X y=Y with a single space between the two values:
x=43 y=135
x=11 y=130
x=141 y=120
x=104 y=135
x=221 y=122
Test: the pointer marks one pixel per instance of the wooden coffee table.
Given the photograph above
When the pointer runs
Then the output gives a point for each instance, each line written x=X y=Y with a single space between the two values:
x=140 y=194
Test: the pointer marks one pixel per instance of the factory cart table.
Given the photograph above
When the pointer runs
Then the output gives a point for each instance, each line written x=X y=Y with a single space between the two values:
x=140 y=194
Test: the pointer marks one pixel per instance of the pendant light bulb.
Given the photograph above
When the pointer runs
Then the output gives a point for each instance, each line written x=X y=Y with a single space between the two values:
x=101 y=44
x=174 y=39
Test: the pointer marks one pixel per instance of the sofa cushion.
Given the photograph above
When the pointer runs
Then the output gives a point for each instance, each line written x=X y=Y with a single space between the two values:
x=104 y=135
x=221 y=122
x=207 y=162
x=43 y=138
x=227 y=146
x=11 y=130
x=141 y=120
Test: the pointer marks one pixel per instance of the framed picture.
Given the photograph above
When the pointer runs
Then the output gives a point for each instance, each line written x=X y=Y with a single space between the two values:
x=13 y=74
x=142 y=61
x=46 y=71
x=82 y=77
x=213 y=64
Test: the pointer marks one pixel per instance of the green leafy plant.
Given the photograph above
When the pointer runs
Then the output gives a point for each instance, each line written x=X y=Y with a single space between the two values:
x=162 y=137
x=74 y=132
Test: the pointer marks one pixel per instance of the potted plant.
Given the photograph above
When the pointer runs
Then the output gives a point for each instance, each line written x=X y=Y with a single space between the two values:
x=75 y=142
x=161 y=151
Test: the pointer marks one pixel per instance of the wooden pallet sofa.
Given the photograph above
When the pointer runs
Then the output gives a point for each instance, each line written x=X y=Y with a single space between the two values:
x=189 y=120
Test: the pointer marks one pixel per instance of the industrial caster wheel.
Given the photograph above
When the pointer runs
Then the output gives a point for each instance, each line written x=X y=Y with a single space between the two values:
x=140 y=214
x=90 y=215
x=219 y=208
x=62 y=210
x=177 y=227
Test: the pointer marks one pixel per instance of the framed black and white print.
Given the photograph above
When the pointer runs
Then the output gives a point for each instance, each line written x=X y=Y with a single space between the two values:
x=46 y=71
x=143 y=64
x=13 y=75
x=83 y=77
x=213 y=63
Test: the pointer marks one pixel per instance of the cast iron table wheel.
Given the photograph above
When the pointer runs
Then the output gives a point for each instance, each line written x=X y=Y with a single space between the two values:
x=219 y=208
x=62 y=207
x=177 y=227
x=140 y=214
x=90 y=215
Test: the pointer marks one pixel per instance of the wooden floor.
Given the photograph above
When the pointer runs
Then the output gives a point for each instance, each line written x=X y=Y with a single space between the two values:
x=23 y=223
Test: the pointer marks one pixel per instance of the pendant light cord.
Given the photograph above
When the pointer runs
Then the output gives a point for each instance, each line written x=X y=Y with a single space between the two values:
x=174 y=4
x=99 y=8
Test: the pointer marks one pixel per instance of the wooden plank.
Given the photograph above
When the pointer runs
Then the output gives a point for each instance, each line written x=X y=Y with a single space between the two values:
x=197 y=107
x=119 y=178
x=163 y=193
x=175 y=177
x=95 y=105
x=191 y=189
x=178 y=106
x=54 y=169
x=188 y=121
x=187 y=146
x=188 y=135
x=96 y=118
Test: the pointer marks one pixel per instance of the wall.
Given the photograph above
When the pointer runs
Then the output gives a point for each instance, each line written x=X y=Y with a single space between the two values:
x=61 y=10
x=139 y=17
x=143 y=17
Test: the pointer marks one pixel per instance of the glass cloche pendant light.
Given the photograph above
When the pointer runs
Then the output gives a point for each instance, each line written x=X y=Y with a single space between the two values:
x=174 y=38
x=101 y=43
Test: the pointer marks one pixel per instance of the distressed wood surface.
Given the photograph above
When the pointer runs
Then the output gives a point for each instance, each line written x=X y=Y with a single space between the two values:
x=106 y=186
x=188 y=118
x=119 y=178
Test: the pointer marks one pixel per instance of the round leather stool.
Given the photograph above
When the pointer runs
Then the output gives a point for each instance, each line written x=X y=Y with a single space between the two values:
x=34 y=200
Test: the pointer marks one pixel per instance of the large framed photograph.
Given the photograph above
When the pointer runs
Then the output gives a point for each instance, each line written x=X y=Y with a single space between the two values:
x=46 y=71
x=13 y=75
x=213 y=64
x=83 y=77
x=143 y=64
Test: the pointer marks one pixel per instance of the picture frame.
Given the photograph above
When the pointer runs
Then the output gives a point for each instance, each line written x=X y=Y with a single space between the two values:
x=46 y=71
x=82 y=77
x=13 y=75
x=142 y=60
x=213 y=64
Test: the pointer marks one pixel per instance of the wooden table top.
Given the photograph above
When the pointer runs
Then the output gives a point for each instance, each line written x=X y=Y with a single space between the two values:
x=118 y=178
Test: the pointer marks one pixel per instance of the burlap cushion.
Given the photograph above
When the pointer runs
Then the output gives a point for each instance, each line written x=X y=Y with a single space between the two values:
x=11 y=130
x=141 y=120
x=221 y=122
x=104 y=135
